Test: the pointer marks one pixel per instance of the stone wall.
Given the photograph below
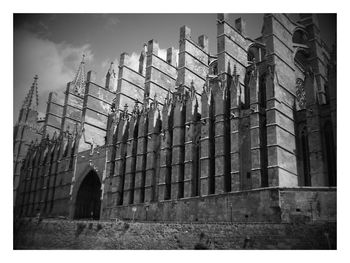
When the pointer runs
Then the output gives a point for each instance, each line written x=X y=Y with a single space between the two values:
x=260 y=205
x=54 y=111
x=61 y=234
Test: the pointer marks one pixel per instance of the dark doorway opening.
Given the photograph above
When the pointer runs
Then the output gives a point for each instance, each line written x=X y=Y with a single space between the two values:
x=88 y=201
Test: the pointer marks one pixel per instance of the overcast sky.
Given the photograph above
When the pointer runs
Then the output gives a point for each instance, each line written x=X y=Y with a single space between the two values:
x=51 y=45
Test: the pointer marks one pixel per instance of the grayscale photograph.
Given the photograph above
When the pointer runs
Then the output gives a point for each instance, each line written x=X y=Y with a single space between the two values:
x=175 y=131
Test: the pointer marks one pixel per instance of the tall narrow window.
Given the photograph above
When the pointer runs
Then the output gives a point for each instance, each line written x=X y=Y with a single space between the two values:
x=169 y=158
x=211 y=147
x=330 y=154
x=305 y=153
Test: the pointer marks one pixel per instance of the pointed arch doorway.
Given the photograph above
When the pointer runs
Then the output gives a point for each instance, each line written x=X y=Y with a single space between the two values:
x=88 y=202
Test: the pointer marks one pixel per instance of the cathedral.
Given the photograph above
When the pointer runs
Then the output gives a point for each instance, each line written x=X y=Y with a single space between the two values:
x=244 y=135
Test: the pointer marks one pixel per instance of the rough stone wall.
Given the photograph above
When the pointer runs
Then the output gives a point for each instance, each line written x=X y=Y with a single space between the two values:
x=60 y=234
x=261 y=205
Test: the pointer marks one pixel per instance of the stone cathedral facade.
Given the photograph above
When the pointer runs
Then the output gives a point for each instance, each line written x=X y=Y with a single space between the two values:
x=247 y=134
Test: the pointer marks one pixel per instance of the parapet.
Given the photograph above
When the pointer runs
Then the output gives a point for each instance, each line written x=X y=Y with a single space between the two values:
x=153 y=47
x=91 y=76
x=185 y=32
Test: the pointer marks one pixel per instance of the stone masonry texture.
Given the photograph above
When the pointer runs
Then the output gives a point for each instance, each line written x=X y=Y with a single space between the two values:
x=245 y=137
x=63 y=234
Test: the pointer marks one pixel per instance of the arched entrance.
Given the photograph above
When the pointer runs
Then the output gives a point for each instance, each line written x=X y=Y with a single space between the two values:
x=88 y=201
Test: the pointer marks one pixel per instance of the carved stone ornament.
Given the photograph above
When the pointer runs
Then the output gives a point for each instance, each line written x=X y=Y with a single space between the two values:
x=300 y=93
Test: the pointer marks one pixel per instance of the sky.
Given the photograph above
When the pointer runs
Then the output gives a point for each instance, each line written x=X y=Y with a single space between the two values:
x=52 y=45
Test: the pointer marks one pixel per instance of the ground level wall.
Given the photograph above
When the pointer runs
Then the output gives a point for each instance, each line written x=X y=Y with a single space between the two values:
x=65 y=234
x=303 y=204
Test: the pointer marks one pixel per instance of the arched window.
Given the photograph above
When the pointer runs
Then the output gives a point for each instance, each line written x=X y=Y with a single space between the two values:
x=213 y=67
x=300 y=37
x=301 y=57
x=250 y=56
x=253 y=54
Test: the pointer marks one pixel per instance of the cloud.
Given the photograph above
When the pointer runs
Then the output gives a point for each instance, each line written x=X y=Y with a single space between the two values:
x=109 y=20
x=55 y=64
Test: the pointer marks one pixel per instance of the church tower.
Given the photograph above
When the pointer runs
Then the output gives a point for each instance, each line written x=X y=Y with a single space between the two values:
x=26 y=130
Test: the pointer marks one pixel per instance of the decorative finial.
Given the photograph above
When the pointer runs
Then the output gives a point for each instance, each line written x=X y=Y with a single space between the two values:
x=136 y=109
x=125 y=113
x=83 y=59
x=36 y=78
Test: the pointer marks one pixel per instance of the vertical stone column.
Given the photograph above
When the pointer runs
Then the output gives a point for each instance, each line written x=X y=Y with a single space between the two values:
x=46 y=179
x=219 y=130
x=34 y=180
x=119 y=168
x=177 y=187
x=43 y=175
x=255 y=129
x=152 y=151
x=190 y=182
x=152 y=50
x=40 y=174
x=315 y=83
x=131 y=158
x=109 y=181
x=317 y=167
x=140 y=172
x=54 y=173
x=164 y=185
x=280 y=101
x=235 y=138
x=23 y=186
x=206 y=167
x=193 y=60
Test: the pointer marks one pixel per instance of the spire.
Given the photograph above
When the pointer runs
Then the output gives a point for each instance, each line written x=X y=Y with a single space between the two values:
x=110 y=77
x=142 y=60
x=79 y=80
x=31 y=101
x=111 y=70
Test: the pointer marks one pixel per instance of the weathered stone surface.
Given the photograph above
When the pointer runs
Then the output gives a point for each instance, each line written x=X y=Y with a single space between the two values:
x=62 y=234
x=245 y=134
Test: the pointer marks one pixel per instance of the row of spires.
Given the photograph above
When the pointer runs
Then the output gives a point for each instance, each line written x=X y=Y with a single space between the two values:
x=56 y=137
